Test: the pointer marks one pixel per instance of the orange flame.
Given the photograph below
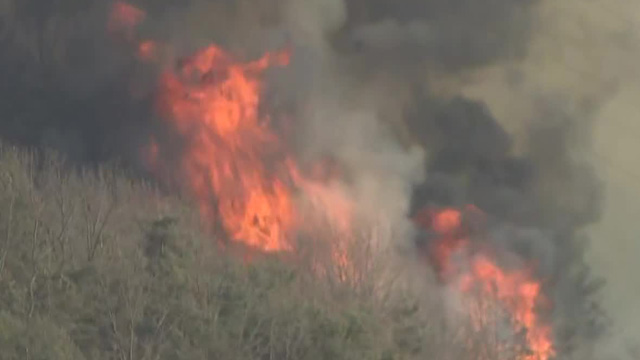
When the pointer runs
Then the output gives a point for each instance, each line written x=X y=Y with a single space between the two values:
x=517 y=292
x=243 y=179
x=212 y=102
x=520 y=295
x=232 y=162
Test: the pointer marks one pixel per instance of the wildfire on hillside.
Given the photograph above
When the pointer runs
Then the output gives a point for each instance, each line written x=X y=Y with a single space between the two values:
x=492 y=294
x=212 y=103
x=247 y=183
x=231 y=161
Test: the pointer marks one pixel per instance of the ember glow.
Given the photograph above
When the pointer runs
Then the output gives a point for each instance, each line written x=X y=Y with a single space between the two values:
x=475 y=272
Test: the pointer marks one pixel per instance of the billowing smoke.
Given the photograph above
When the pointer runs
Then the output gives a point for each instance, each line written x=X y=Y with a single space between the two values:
x=426 y=103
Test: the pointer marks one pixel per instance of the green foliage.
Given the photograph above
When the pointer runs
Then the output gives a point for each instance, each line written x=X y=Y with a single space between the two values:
x=95 y=266
x=37 y=339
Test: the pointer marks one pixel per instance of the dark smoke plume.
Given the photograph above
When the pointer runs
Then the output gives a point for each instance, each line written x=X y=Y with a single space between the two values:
x=67 y=84
x=471 y=163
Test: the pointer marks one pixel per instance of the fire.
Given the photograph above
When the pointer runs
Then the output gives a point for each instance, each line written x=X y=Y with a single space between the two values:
x=520 y=295
x=475 y=272
x=236 y=166
x=247 y=184
x=212 y=103
x=231 y=161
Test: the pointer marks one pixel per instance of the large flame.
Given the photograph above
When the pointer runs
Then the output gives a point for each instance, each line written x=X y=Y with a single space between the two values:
x=245 y=182
x=231 y=160
x=476 y=272
x=212 y=102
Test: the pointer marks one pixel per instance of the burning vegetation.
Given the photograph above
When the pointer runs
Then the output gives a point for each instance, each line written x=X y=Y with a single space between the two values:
x=487 y=245
x=244 y=180
x=492 y=296
x=212 y=104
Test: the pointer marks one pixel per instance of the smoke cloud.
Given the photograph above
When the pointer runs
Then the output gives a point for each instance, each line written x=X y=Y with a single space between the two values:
x=425 y=103
x=561 y=105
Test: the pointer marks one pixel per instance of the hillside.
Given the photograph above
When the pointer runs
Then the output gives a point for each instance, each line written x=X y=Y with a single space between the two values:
x=96 y=266
x=315 y=179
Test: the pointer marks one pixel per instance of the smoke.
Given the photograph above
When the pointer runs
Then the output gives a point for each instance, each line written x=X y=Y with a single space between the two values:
x=556 y=104
x=506 y=126
x=64 y=81
x=425 y=103
x=448 y=36
x=443 y=70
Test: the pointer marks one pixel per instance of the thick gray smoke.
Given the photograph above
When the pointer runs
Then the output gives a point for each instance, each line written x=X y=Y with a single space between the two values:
x=449 y=36
x=376 y=84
